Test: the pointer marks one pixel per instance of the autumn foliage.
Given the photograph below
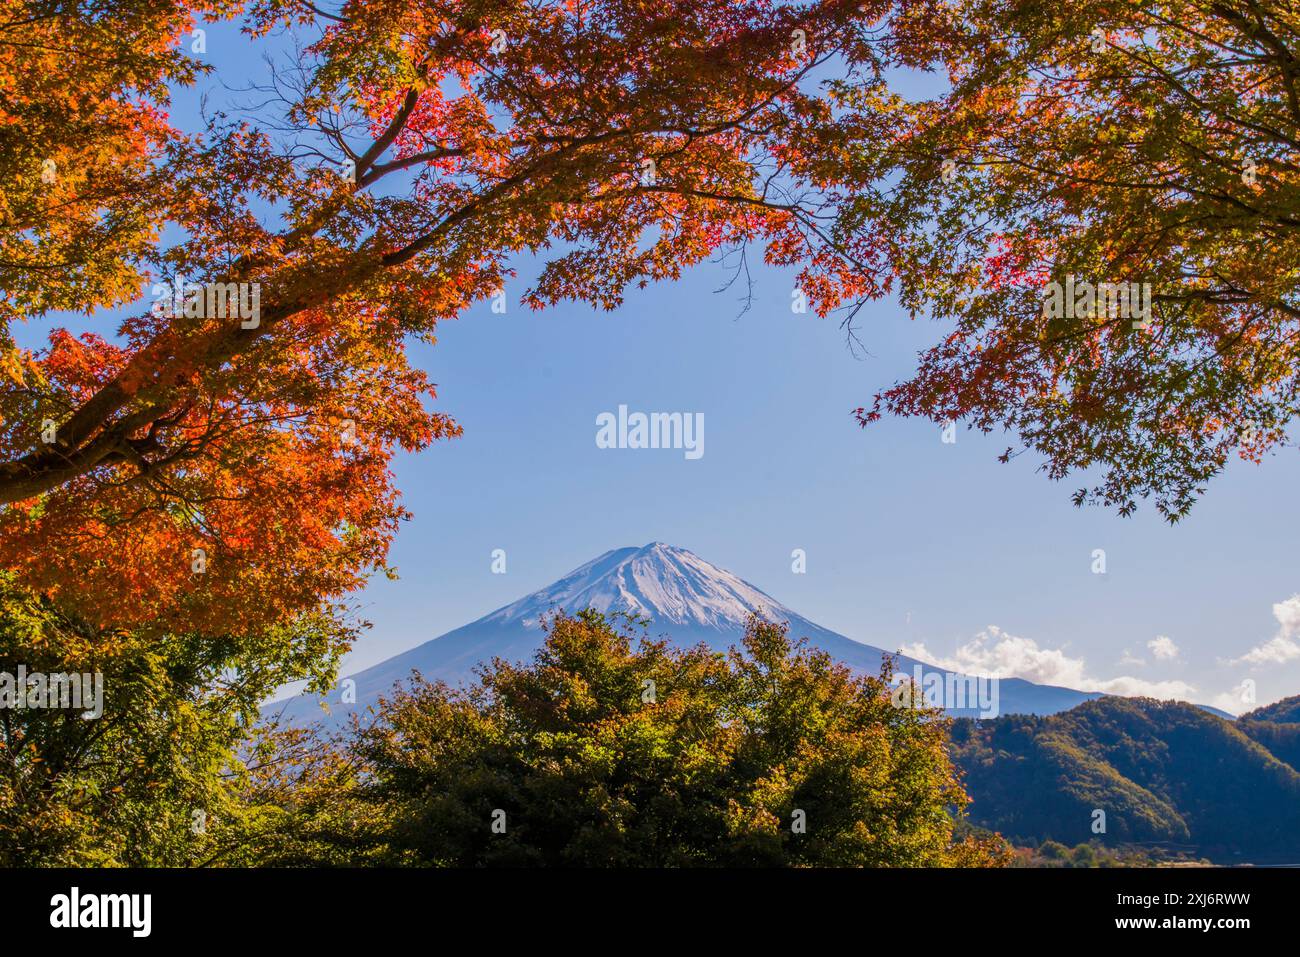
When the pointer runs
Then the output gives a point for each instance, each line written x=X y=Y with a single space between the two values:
x=1113 y=143
x=200 y=470
x=197 y=468
x=195 y=491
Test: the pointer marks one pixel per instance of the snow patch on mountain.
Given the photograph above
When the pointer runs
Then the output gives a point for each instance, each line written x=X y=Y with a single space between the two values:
x=670 y=585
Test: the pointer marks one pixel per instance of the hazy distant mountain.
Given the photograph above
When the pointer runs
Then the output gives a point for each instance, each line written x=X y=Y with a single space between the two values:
x=1163 y=772
x=686 y=598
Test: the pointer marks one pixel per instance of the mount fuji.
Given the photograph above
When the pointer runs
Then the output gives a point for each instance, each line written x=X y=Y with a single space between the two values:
x=686 y=598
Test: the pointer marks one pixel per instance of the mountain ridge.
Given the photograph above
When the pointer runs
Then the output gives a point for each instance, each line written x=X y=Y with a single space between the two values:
x=1276 y=727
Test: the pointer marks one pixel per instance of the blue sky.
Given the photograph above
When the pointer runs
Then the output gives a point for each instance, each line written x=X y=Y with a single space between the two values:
x=909 y=541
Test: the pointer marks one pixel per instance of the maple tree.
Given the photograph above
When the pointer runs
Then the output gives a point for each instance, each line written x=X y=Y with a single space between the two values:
x=1101 y=142
x=82 y=90
x=203 y=468
x=206 y=467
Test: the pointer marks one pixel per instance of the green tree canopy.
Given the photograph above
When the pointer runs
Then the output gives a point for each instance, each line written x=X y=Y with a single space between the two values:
x=606 y=752
x=170 y=772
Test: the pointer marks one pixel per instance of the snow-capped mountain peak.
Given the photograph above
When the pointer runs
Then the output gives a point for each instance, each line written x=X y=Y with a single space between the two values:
x=666 y=583
x=688 y=601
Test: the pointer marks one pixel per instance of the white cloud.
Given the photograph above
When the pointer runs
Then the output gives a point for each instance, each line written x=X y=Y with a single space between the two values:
x=1130 y=660
x=1283 y=646
x=1163 y=647
x=1129 y=686
x=1276 y=651
x=996 y=654
x=1287 y=614
x=1239 y=700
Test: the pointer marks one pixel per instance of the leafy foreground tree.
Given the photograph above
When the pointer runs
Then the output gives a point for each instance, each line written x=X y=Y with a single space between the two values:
x=223 y=460
x=82 y=125
x=601 y=754
x=415 y=150
x=166 y=774
x=594 y=754
x=1099 y=142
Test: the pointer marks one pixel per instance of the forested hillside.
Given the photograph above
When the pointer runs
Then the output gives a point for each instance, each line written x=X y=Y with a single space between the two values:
x=1163 y=773
x=1276 y=727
